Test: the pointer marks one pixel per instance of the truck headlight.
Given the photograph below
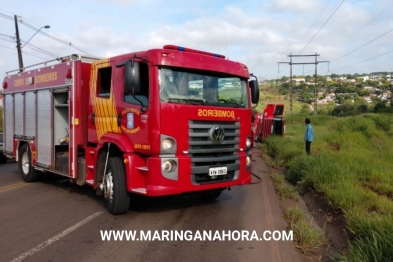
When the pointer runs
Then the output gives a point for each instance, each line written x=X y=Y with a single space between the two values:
x=168 y=166
x=248 y=161
x=248 y=143
x=168 y=144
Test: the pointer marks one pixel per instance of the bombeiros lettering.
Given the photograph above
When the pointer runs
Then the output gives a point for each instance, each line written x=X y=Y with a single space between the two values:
x=46 y=77
x=216 y=113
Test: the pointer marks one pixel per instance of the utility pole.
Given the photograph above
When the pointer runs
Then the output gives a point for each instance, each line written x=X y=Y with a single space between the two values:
x=316 y=77
x=18 y=45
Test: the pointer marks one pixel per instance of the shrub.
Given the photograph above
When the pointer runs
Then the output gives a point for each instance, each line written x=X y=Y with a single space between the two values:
x=383 y=122
x=344 y=110
x=379 y=107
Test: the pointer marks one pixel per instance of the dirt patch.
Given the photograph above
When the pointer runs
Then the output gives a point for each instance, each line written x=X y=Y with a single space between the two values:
x=330 y=220
x=322 y=217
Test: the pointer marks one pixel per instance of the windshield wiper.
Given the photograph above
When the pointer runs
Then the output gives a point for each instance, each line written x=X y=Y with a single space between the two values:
x=188 y=101
x=233 y=104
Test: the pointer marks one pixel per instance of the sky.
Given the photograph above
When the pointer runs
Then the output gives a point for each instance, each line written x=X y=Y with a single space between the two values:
x=349 y=36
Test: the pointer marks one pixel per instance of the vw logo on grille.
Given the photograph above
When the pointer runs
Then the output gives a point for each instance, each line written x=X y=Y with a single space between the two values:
x=217 y=134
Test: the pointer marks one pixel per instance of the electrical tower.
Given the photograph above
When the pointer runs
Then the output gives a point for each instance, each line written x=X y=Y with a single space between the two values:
x=290 y=79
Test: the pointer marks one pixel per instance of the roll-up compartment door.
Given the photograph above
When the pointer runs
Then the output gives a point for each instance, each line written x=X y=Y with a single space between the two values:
x=44 y=130
x=19 y=110
x=8 y=136
x=30 y=115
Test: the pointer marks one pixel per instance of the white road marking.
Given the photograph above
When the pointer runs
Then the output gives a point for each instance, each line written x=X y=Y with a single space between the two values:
x=57 y=237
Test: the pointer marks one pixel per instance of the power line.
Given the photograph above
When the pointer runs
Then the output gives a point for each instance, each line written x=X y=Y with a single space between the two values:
x=335 y=69
x=13 y=39
x=26 y=53
x=46 y=34
x=54 y=37
x=7 y=47
x=316 y=19
x=42 y=51
x=7 y=38
x=316 y=77
x=362 y=46
x=321 y=27
x=375 y=17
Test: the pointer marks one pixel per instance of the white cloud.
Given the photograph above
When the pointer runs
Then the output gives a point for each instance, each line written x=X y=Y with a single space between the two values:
x=295 y=6
x=257 y=34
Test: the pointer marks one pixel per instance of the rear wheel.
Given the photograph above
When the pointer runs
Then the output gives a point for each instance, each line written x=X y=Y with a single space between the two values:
x=24 y=164
x=115 y=187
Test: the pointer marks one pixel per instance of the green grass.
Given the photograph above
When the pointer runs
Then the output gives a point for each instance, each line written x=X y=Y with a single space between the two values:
x=306 y=237
x=283 y=189
x=269 y=98
x=352 y=165
x=294 y=215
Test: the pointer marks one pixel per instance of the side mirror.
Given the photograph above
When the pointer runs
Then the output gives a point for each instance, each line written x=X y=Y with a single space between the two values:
x=254 y=91
x=132 y=81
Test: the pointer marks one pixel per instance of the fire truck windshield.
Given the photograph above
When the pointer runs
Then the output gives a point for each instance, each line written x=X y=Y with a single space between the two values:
x=196 y=87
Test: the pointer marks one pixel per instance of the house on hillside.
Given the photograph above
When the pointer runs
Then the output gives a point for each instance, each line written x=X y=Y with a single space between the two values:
x=299 y=80
x=330 y=97
x=365 y=78
x=368 y=99
x=369 y=88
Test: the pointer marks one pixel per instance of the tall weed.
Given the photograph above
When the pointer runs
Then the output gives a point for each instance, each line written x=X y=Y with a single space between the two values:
x=352 y=165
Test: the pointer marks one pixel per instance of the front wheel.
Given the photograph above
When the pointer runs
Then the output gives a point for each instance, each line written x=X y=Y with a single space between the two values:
x=115 y=187
x=3 y=159
x=213 y=195
x=24 y=164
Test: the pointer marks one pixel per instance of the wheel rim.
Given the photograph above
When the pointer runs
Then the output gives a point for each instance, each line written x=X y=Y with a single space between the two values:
x=25 y=163
x=108 y=186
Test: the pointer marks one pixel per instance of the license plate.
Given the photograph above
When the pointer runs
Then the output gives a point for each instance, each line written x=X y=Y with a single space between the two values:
x=218 y=171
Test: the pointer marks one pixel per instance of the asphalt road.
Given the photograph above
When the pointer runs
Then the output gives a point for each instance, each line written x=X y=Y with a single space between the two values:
x=53 y=220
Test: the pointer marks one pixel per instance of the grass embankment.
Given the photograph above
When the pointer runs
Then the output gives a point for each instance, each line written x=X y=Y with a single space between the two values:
x=351 y=164
x=306 y=237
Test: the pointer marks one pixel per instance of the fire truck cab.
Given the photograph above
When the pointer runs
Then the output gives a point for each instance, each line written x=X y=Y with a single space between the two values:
x=155 y=122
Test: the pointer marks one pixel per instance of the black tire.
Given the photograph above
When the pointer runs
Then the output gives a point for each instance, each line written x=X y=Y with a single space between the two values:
x=213 y=195
x=115 y=187
x=3 y=159
x=24 y=164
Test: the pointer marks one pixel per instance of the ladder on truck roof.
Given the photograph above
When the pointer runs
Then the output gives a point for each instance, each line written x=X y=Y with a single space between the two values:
x=73 y=57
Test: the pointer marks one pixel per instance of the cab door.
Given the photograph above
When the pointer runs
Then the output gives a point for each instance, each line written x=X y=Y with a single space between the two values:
x=133 y=108
x=102 y=117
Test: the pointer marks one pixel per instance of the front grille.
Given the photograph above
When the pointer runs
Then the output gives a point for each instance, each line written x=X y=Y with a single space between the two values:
x=205 y=154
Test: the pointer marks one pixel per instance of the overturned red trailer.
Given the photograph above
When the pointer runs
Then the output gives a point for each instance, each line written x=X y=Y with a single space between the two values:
x=270 y=122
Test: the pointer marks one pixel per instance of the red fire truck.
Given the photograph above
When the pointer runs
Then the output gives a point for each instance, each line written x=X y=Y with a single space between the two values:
x=158 y=122
x=270 y=122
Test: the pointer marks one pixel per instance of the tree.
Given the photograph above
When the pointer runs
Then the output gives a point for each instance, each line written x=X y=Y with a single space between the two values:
x=344 y=110
x=340 y=99
x=371 y=83
x=379 y=107
x=362 y=109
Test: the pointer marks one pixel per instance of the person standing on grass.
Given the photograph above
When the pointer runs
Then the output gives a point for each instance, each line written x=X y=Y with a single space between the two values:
x=308 y=136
